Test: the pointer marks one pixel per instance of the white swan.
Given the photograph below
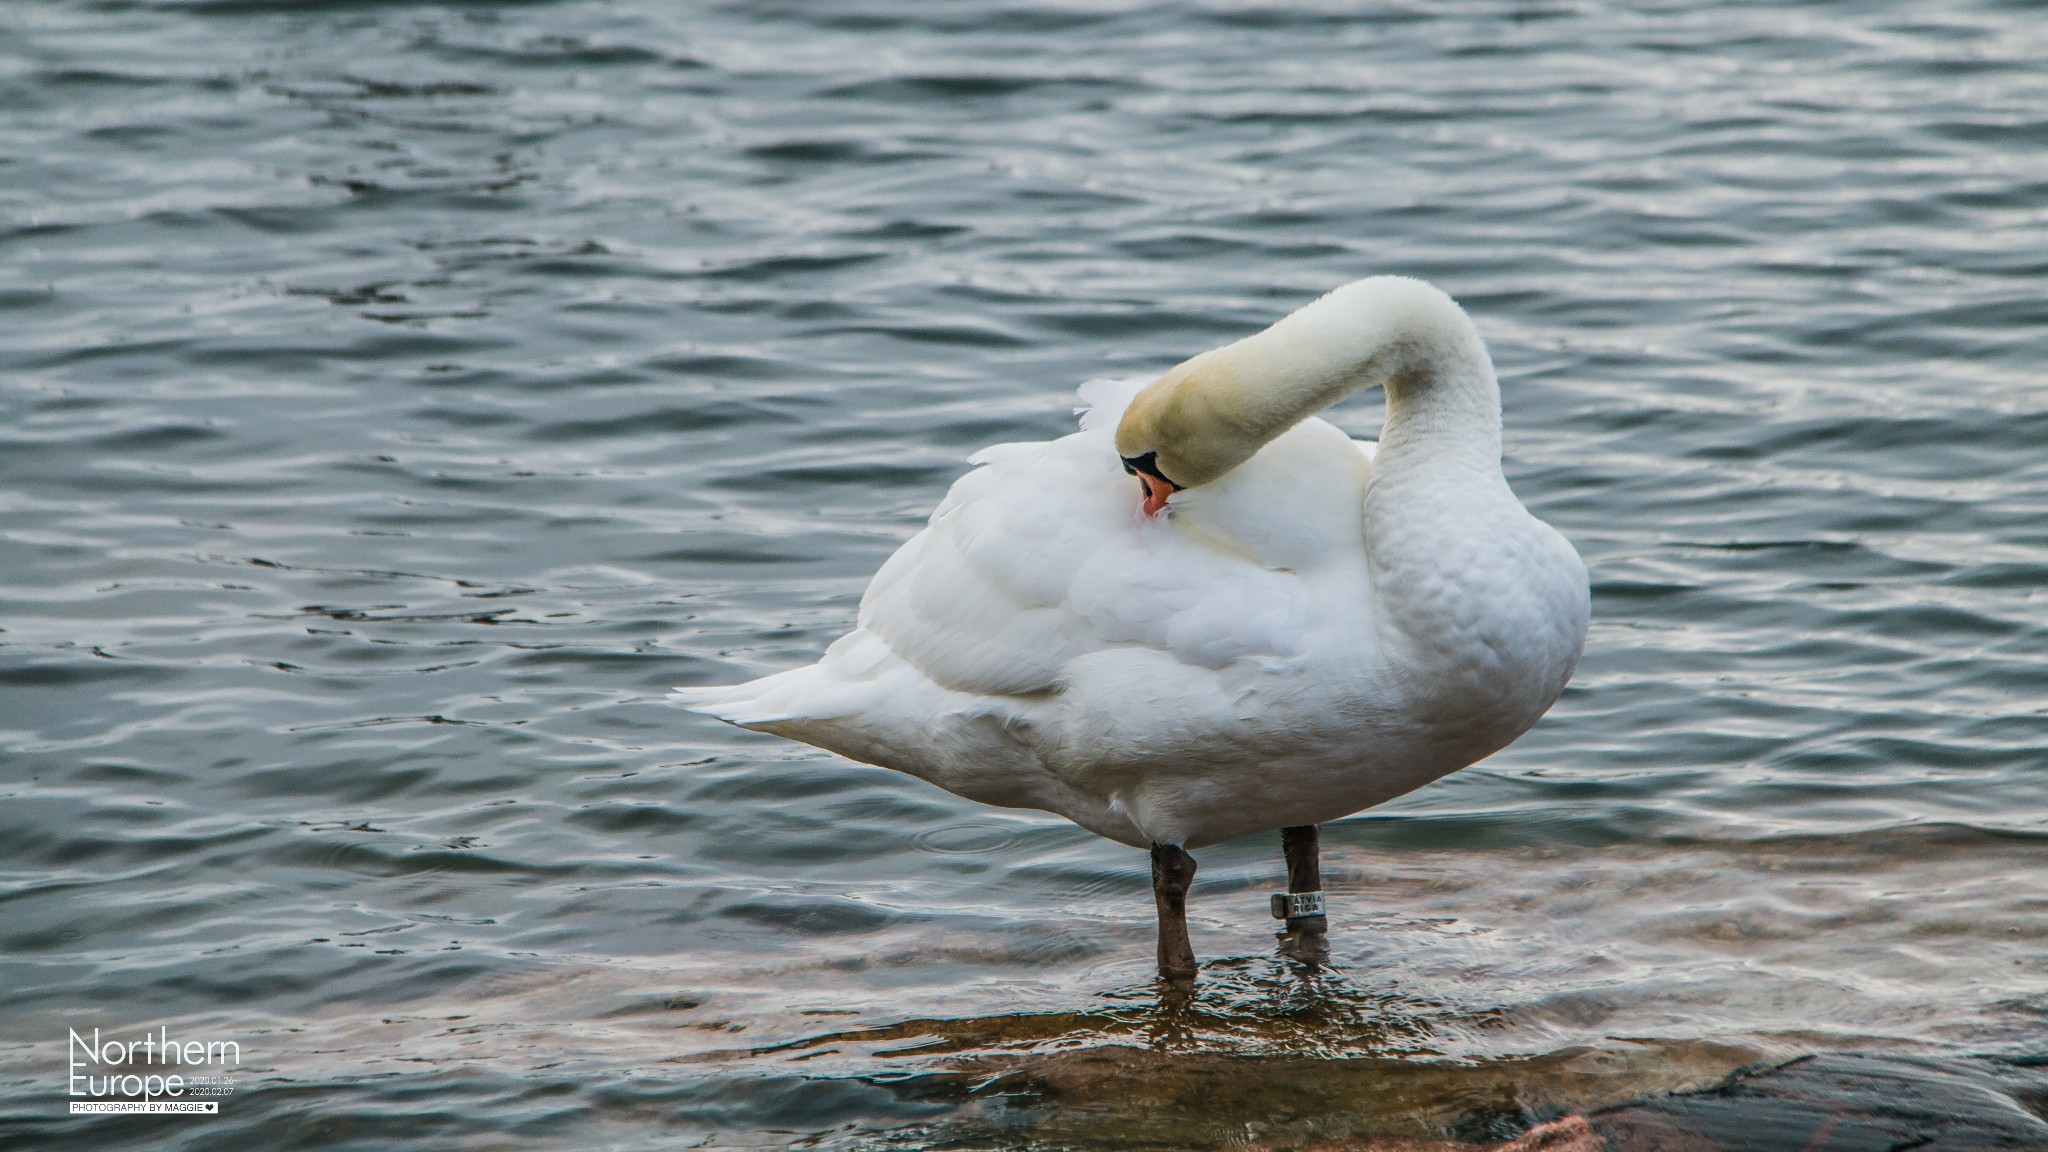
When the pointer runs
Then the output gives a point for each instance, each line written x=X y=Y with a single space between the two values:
x=1274 y=626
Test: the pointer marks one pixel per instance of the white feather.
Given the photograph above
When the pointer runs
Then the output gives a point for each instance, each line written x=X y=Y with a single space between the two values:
x=1293 y=642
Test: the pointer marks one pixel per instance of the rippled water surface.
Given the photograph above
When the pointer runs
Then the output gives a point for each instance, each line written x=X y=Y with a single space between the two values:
x=400 y=397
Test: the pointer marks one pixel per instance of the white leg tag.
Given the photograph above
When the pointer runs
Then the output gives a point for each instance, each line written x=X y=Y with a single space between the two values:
x=1291 y=905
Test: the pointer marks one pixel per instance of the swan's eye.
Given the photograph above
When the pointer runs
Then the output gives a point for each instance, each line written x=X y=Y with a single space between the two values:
x=1146 y=465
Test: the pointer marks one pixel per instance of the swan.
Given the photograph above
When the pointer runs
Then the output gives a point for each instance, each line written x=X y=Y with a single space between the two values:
x=1209 y=613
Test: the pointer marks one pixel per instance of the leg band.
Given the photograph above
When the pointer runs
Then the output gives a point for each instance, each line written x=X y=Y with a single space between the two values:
x=1293 y=905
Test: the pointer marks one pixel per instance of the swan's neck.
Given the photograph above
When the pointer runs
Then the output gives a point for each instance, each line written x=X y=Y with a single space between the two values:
x=1443 y=408
x=1214 y=412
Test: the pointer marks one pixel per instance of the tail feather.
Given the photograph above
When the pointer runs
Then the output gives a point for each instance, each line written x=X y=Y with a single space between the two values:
x=733 y=703
x=800 y=695
x=849 y=681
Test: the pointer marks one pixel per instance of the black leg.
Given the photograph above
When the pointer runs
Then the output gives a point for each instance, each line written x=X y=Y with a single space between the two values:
x=1303 y=846
x=1172 y=871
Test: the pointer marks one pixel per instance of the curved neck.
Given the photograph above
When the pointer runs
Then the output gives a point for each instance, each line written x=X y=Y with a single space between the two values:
x=1212 y=413
x=1443 y=403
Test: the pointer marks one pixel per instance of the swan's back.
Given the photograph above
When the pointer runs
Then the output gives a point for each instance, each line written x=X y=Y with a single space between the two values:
x=1040 y=555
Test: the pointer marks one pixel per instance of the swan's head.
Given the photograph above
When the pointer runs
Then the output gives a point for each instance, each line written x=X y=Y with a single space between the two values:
x=1177 y=434
x=1207 y=415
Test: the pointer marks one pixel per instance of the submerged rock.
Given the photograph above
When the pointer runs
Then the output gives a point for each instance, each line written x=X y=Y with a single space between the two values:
x=1839 y=1102
x=1844 y=1102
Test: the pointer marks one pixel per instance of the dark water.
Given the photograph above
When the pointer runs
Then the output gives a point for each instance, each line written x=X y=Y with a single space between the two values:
x=398 y=398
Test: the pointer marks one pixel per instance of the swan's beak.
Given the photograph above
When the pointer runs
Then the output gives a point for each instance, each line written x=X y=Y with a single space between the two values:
x=1157 y=487
x=1156 y=492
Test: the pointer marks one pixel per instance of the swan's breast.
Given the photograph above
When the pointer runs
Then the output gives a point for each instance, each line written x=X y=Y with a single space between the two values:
x=1484 y=607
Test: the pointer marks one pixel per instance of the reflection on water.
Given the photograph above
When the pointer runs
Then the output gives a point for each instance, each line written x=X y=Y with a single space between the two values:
x=1469 y=994
x=1242 y=1006
x=399 y=398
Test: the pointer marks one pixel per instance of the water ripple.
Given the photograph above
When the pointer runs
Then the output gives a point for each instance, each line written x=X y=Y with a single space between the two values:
x=401 y=397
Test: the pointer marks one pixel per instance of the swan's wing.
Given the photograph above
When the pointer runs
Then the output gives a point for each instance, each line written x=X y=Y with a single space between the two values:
x=1040 y=556
x=979 y=600
x=1103 y=401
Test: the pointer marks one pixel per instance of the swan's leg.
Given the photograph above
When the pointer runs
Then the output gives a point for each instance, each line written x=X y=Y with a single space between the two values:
x=1303 y=846
x=1172 y=871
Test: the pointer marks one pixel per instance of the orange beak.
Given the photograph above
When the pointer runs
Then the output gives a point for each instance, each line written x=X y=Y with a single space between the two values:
x=1156 y=492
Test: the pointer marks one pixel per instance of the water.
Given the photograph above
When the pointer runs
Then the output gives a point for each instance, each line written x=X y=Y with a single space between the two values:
x=400 y=397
